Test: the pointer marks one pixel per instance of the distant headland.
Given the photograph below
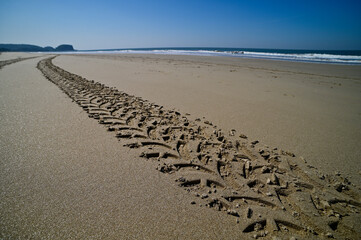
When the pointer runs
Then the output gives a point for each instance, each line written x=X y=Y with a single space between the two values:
x=34 y=48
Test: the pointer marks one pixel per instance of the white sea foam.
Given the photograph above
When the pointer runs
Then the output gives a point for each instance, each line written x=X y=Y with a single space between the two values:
x=307 y=57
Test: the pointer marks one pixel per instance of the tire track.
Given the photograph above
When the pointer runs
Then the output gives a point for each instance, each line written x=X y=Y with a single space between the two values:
x=11 y=61
x=270 y=192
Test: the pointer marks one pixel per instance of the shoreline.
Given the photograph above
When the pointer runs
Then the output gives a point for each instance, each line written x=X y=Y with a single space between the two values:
x=344 y=57
x=243 y=57
x=338 y=57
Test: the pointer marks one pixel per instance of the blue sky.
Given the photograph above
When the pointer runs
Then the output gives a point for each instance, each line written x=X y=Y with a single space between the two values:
x=291 y=24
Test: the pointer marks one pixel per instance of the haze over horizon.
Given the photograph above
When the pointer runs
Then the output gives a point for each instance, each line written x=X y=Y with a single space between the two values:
x=87 y=25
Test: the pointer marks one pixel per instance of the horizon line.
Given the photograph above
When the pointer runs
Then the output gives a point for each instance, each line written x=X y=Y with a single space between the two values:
x=300 y=49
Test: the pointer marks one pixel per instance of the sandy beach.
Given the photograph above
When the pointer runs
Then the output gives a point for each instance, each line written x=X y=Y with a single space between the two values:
x=312 y=110
x=178 y=147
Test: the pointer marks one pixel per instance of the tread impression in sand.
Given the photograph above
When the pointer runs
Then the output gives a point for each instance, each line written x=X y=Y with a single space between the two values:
x=268 y=191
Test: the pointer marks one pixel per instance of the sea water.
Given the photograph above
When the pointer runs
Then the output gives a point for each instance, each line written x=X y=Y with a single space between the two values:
x=318 y=56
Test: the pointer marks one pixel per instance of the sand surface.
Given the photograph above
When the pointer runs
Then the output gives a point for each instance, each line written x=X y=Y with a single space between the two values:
x=15 y=55
x=313 y=110
x=64 y=176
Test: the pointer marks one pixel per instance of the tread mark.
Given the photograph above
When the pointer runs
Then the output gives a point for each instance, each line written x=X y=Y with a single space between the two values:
x=236 y=164
x=232 y=198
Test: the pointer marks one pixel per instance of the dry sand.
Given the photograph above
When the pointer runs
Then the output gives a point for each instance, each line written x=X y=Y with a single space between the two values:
x=64 y=176
x=14 y=55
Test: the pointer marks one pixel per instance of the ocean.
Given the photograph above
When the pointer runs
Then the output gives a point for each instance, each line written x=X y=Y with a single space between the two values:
x=317 y=56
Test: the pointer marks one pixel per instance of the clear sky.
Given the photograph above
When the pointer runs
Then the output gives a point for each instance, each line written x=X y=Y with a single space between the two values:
x=92 y=24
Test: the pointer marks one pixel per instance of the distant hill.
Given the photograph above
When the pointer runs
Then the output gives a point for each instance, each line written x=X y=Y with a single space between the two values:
x=34 y=48
x=64 y=47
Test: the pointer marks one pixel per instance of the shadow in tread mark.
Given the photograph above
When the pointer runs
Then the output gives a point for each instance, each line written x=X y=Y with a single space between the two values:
x=124 y=128
x=159 y=155
x=288 y=224
x=256 y=226
x=191 y=165
x=232 y=198
x=120 y=135
x=351 y=202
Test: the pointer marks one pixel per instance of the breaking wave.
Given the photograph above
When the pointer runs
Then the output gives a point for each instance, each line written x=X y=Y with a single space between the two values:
x=349 y=57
